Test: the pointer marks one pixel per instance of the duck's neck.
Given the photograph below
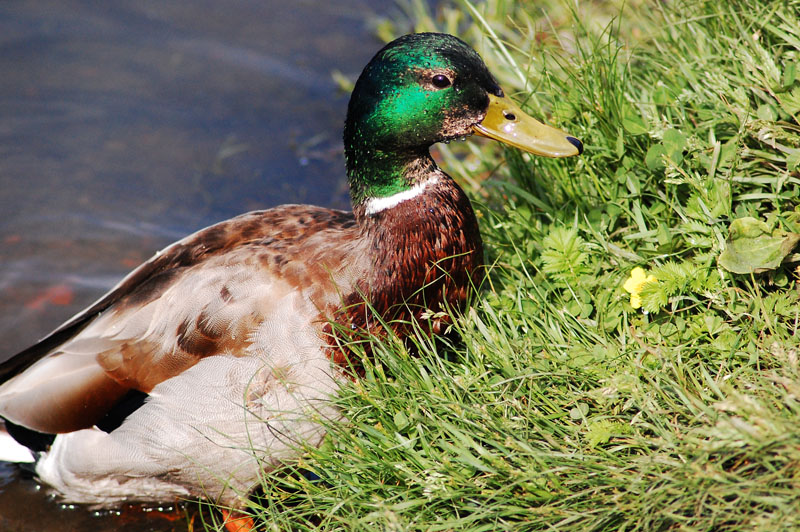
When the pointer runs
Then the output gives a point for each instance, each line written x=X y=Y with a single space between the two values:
x=419 y=226
x=424 y=245
x=376 y=176
x=421 y=245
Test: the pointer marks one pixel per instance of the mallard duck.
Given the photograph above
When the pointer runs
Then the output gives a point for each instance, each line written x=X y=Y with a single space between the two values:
x=215 y=359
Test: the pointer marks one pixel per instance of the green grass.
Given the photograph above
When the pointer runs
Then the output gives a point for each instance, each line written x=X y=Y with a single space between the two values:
x=553 y=404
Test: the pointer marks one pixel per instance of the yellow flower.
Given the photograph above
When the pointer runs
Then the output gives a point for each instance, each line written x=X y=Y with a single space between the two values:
x=635 y=283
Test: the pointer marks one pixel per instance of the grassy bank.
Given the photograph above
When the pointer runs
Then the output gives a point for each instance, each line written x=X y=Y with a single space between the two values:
x=561 y=401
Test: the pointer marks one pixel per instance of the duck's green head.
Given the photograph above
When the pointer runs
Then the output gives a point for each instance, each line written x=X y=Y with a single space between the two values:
x=426 y=88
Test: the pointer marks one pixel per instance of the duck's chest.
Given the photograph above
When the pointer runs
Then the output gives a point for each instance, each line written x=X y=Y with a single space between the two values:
x=425 y=254
x=429 y=251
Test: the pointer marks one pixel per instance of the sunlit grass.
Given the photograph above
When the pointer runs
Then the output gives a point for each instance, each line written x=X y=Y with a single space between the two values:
x=553 y=404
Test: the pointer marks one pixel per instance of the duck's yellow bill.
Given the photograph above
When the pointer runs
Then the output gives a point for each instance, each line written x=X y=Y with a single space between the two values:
x=506 y=122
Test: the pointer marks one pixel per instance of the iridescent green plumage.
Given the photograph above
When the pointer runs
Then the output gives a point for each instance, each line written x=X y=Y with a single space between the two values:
x=396 y=111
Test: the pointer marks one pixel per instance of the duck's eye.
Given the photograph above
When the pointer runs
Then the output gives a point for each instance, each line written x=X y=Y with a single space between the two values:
x=440 y=81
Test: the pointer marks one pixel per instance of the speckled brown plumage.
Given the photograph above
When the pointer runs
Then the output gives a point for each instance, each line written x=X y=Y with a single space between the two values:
x=431 y=267
x=333 y=258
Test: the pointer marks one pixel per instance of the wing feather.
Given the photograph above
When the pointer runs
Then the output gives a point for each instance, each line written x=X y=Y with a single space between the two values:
x=202 y=296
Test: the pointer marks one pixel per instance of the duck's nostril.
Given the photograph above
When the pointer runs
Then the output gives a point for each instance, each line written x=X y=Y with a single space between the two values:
x=509 y=115
x=575 y=142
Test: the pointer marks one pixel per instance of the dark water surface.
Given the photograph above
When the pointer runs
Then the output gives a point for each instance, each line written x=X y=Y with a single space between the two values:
x=127 y=125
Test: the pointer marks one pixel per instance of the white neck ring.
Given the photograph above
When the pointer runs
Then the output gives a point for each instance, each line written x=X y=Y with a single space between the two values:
x=376 y=205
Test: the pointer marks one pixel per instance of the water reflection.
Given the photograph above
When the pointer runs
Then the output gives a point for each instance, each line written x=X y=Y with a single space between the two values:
x=124 y=126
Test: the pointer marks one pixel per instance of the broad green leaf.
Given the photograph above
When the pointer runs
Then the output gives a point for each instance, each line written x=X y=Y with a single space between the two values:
x=661 y=95
x=766 y=112
x=790 y=101
x=674 y=144
x=789 y=74
x=663 y=234
x=632 y=122
x=752 y=248
x=653 y=157
x=674 y=141
x=793 y=160
x=400 y=420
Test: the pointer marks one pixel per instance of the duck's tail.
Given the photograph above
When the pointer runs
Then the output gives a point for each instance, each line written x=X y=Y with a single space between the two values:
x=11 y=450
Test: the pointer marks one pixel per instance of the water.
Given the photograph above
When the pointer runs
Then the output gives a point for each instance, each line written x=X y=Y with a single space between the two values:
x=127 y=125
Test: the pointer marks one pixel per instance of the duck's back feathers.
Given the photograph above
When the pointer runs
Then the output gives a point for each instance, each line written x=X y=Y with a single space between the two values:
x=202 y=296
